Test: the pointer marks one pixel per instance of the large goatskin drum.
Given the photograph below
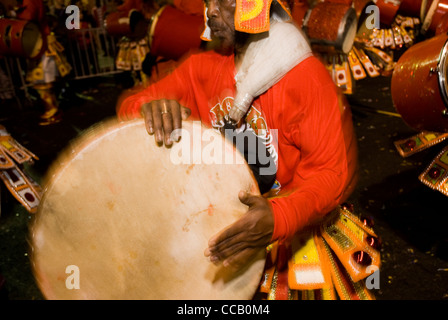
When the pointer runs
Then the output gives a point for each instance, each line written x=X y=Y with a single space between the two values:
x=419 y=85
x=133 y=222
x=130 y=23
x=331 y=25
x=299 y=9
x=20 y=38
x=413 y=8
x=173 y=33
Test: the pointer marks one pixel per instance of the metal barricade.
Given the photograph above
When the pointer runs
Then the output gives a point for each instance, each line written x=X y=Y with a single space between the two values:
x=91 y=53
x=12 y=78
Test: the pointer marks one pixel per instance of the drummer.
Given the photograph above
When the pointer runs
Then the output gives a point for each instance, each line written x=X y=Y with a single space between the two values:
x=315 y=154
x=51 y=63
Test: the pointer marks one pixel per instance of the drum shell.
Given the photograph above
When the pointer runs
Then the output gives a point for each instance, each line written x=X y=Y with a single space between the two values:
x=388 y=11
x=174 y=33
x=331 y=24
x=416 y=89
x=20 y=38
x=411 y=8
x=126 y=23
x=442 y=26
x=299 y=9
x=434 y=15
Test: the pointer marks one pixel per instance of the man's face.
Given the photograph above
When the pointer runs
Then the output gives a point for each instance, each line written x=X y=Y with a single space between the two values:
x=220 y=16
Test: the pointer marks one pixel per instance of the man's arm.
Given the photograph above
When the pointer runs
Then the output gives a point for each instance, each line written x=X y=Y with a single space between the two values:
x=319 y=178
x=324 y=136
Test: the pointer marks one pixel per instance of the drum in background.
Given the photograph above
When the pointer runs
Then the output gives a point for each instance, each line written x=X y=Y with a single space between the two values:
x=442 y=26
x=434 y=15
x=134 y=218
x=130 y=23
x=173 y=33
x=388 y=10
x=299 y=9
x=412 y=8
x=419 y=85
x=20 y=38
x=331 y=25
x=349 y=2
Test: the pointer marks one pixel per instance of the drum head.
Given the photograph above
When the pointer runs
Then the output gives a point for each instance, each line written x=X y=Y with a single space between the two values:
x=32 y=40
x=122 y=218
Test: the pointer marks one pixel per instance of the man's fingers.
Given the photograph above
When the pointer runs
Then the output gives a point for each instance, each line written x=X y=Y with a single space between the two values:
x=167 y=121
x=162 y=117
x=247 y=198
x=147 y=115
x=238 y=260
x=185 y=113
x=157 y=121
x=225 y=252
x=224 y=240
x=229 y=234
x=177 y=120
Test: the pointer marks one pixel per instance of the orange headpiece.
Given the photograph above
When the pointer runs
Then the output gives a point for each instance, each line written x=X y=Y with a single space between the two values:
x=253 y=16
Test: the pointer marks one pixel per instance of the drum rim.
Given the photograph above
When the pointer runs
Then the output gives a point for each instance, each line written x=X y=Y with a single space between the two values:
x=344 y=32
x=442 y=73
x=154 y=21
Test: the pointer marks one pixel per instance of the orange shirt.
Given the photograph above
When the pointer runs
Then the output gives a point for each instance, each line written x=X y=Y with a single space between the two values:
x=315 y=144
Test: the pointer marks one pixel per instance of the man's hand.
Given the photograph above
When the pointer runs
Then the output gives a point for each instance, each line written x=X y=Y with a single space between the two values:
x=238 y=243
x=162 y=117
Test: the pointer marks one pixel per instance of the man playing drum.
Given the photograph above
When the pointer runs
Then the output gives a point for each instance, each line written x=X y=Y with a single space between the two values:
x=263 y=75
x=48 y=65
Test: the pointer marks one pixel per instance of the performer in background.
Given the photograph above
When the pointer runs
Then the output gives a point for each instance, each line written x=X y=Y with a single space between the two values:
x=174 y=31
x=271 y=85
x=44 y=70
x=140 y=54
